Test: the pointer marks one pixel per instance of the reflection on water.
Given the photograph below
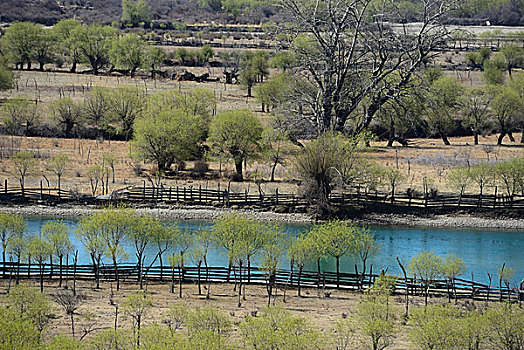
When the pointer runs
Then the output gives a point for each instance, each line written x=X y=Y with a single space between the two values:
x=482 y=250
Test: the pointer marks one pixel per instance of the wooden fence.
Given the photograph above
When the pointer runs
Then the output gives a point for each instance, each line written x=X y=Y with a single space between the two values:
x=463 y=289
x=199 y=195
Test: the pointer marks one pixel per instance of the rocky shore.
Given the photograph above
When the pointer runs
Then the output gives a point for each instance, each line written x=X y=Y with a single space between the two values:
x=209 y=213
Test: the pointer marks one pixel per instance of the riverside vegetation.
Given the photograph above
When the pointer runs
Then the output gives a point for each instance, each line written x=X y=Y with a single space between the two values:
x=371 y=323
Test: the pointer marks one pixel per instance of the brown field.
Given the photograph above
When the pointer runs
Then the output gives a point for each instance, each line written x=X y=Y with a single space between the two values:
x=425 y=158
x=322 y=311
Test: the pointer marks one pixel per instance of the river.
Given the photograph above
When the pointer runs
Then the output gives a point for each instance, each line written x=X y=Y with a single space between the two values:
x=483 y=251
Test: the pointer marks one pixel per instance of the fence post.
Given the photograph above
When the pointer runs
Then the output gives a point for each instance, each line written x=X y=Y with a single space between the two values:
x=144 y=191
x=200 y=193
x=170 y=198
x=494 y=199
x=5 y=186
x=177 y=195
x=276 y=196
x=41 y=190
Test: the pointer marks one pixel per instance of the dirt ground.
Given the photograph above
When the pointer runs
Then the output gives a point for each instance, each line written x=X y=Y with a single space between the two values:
x=323 y=312
x=425 y=158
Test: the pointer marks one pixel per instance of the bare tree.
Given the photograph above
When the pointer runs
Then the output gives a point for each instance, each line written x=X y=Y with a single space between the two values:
x=348 y=50
x=70 y=302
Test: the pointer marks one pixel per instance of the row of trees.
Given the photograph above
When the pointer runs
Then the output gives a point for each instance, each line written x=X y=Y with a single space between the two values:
x=99 y=46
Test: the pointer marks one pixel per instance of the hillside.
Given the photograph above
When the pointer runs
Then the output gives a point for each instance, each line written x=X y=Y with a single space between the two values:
x=106 y=11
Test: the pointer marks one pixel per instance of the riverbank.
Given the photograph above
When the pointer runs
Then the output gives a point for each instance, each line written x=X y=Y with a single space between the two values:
x=209 y=213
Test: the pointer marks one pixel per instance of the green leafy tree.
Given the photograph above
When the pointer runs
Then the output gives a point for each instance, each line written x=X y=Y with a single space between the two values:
x=29 y=304
x=166 y=136
x=128 y=52
x=507 y=110
x=476 y=102
x=94 y=43
x=44 y=46
x=58 y=165
x=274 y=92
x=441 y=104
x=24 y=163
x=17 y=332
x=510 y=174
x=300 y=254
x=11 y=226
x=181 y=246
x=506 y=327
x=125 y=104
x=365 y=246
x=427 y=267
x=495 y=69
x=459 y=179
x=335 y=238
x=136 y=306
x=57 y=234
x=436 y=327
x=276 y=328
x=453 y=267
x=88 y=233
x=276 y=147
x=19 y=41
x=236 y=133
x=514 y=57
x=66 y=33
x=155 y=57
x=330 y=160
x=6 y=75
x=67 y=113
x=112 y=226
x=96 y=107
x=141 y=235
x=20 y=115
x=39 y=249
x=135 y=11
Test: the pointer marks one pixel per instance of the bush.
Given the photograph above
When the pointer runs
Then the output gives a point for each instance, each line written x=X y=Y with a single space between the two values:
x=201 y=167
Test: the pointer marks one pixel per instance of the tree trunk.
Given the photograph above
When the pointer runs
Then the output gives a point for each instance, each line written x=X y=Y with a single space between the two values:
x=511 y=138
x=298 y=279
x=522 y=138
x=116 y=274
x=60 y=258
x=42 y=266
x=73 y=66
x=476 y=137
x=73 y=324
x=501 y=137
x=240 y=284
x=198 y=279
x=276 y=163
x=445 y=139
x=238 y=168
x=338 y=272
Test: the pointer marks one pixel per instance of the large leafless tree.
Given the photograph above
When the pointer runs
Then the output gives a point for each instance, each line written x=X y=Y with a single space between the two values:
x=348 y=50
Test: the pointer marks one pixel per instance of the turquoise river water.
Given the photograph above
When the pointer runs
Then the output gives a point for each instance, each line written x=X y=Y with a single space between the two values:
x=482 y=250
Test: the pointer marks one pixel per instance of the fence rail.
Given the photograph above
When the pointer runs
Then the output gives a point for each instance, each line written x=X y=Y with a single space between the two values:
x=459 y=288
x=224 y=197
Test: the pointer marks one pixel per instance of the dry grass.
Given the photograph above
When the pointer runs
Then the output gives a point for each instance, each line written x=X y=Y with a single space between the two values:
x=323 y=312
x=425 y=158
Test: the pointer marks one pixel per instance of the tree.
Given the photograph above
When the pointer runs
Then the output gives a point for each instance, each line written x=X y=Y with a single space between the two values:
x=514 y=57
x=135 y=11
x=507 y=107
x=125 y=105
x=376 y=317
x=24 y=163
x=39 y=248
x=436 y=327
x=275 y=148
x=344 y=50
x=276 y=328
x=67 y=113
x=482 y=175
x=166 y=136
x=336 y=238
x=141 y=235
x=6 y=75
x=128 y=52
x=452 y=268
x=17 y=332
x=181 y=245
x=66 y=34
x=11 y=226
x=400 y=115
x=19 y=43
x=299 y=254
x=57 y=234
x=155 y=57
x=494 y=69
x=112 y=226
x=476 y=102
x=94 y=43
x=31 y=305
x=96 y=106
x=44 y=46
x=274 y=92
x=136 y=306
x=88 y=233
x=58 y=165
x=441 y=103
x=365 y=246
x=459 y=179
x=330 y=160
x=236 y=133
x=511 y=175
x=70 y=302
x=427 y=267
x=506 y=327
x=20 y=115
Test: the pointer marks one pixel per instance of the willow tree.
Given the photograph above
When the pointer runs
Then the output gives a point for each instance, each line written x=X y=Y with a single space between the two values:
x=11 y=226
x=346 y=50
x=57 y=234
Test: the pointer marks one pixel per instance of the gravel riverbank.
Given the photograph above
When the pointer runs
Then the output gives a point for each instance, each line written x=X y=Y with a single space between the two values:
x=209 y=213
